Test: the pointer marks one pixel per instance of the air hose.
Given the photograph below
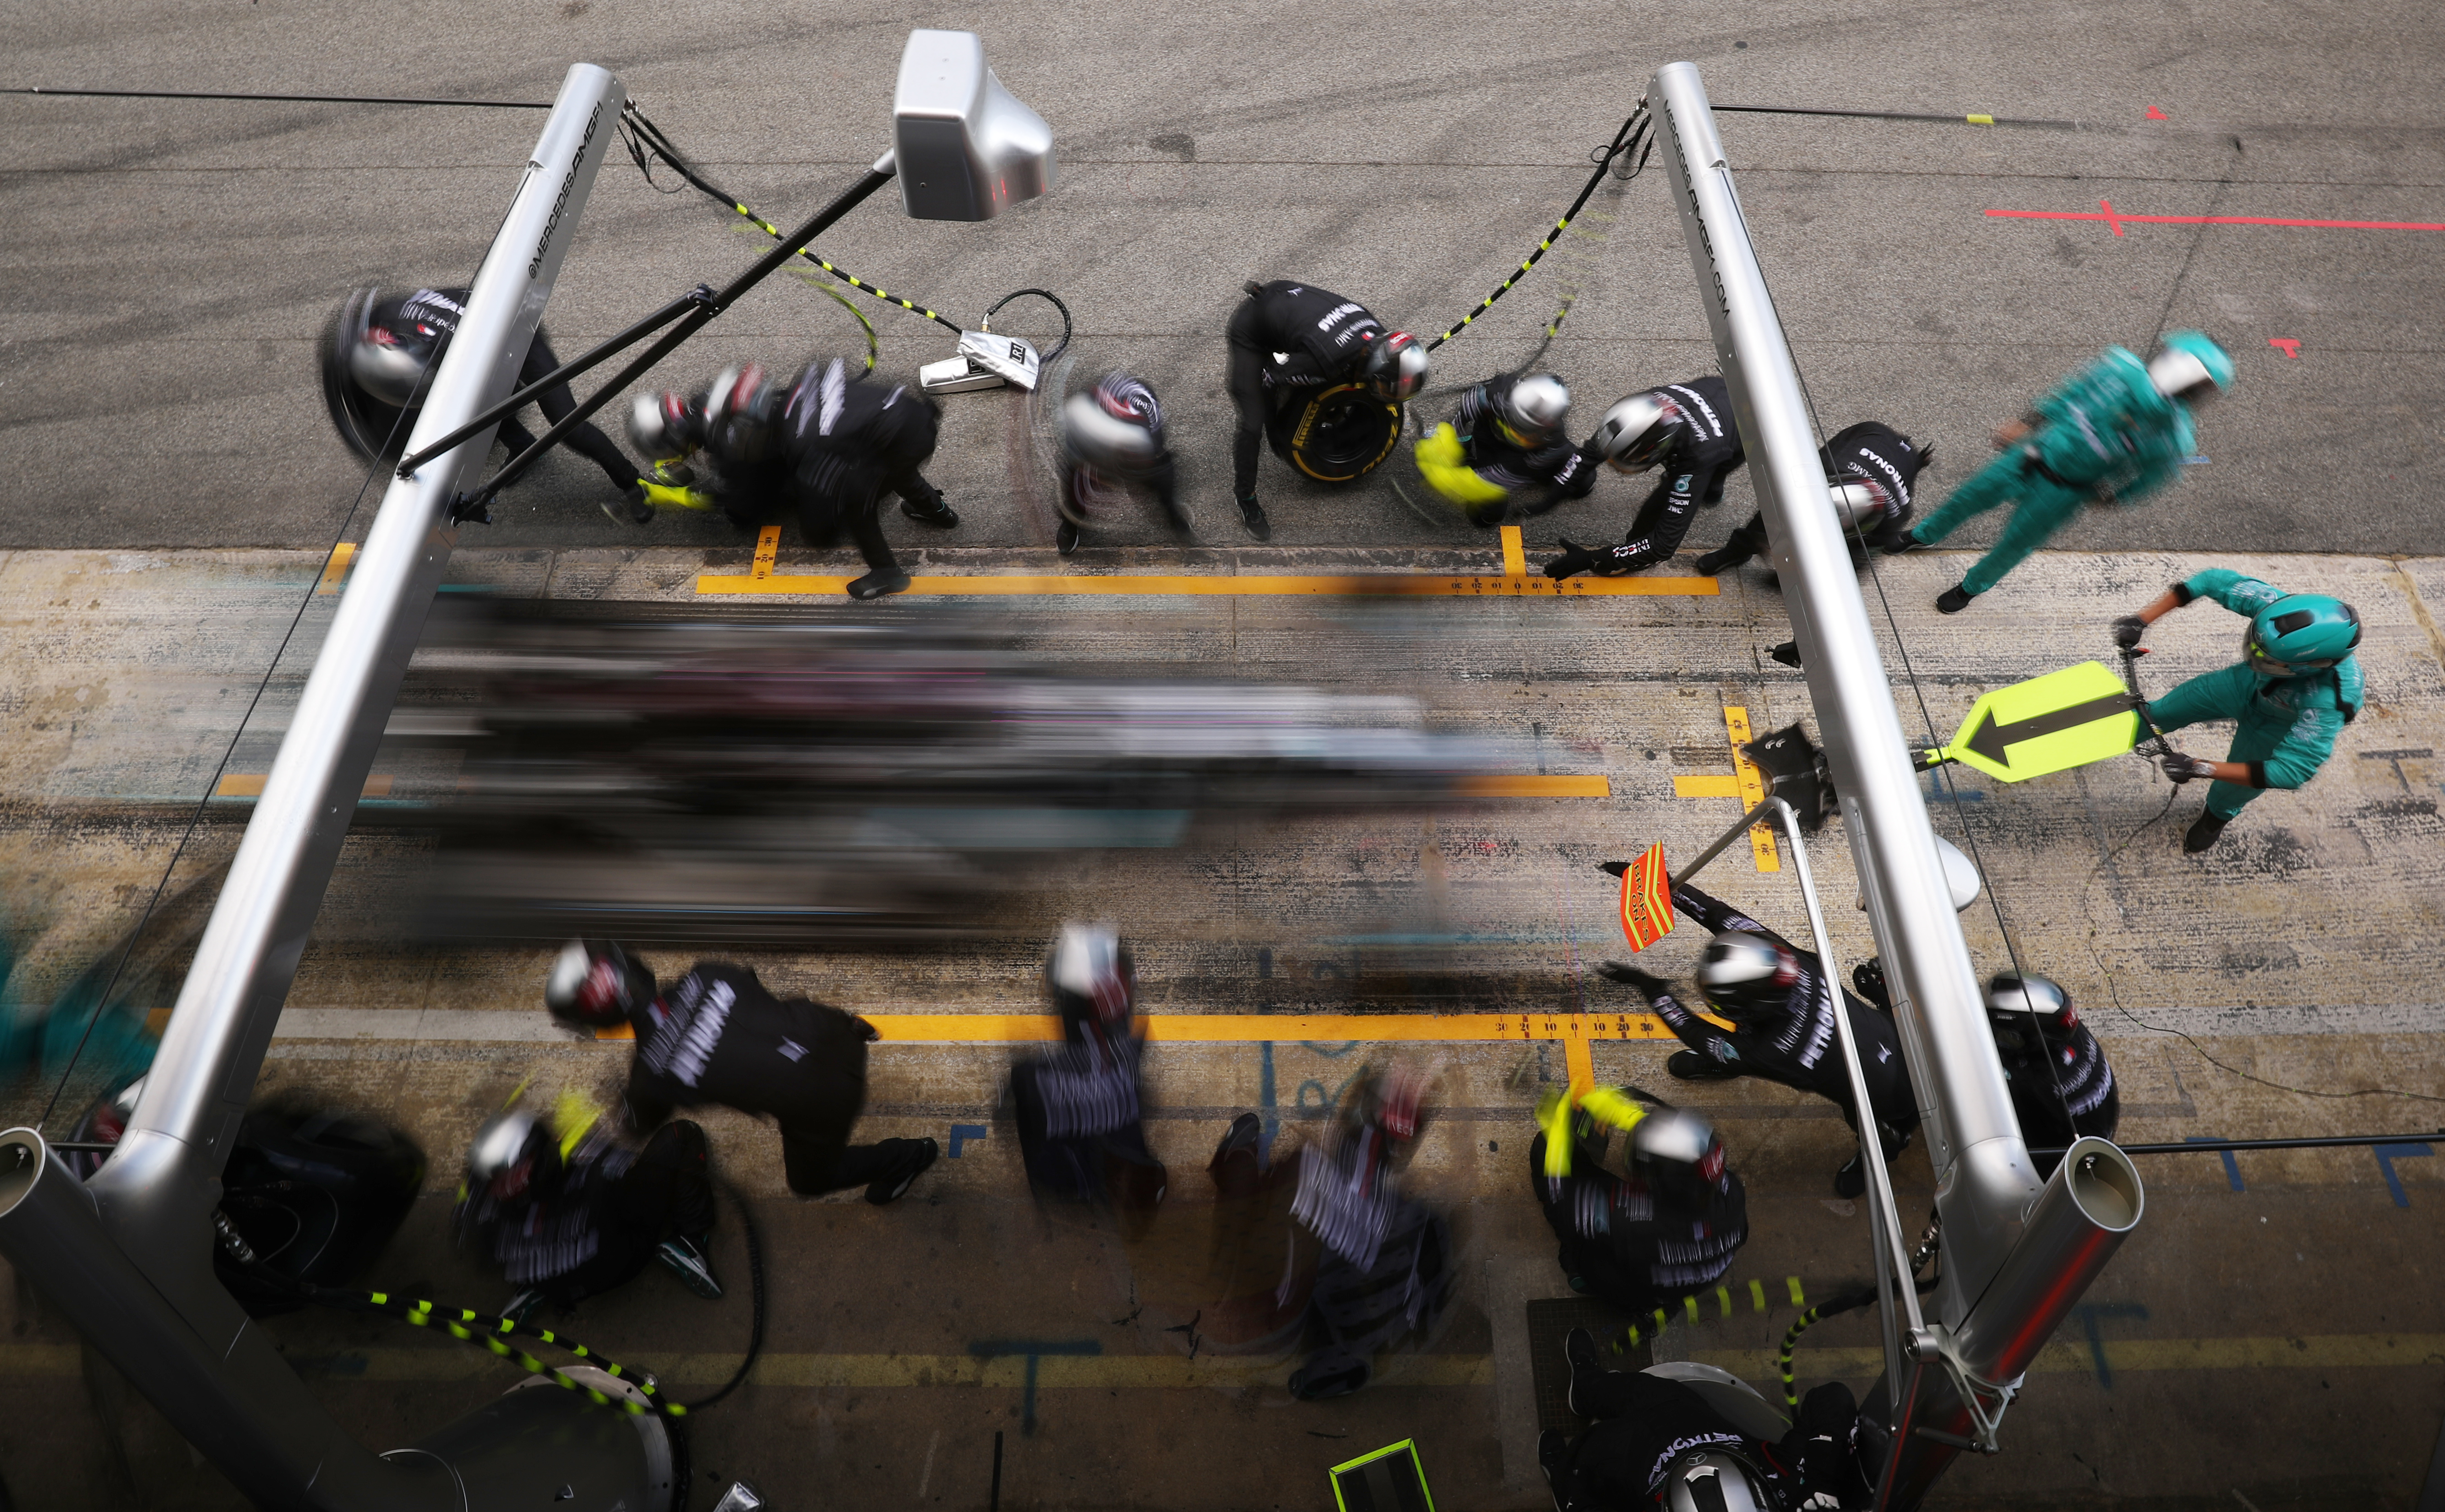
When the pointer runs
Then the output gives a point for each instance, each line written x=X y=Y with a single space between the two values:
x=490 y=1332
x=1050 y=298
x=1848 y=1301
x=644 y=137
x=1635 y=1334
x=1852 y=1301
x=1633 y=137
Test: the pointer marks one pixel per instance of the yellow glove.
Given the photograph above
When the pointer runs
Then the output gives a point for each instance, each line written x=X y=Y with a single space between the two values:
x=1607 y=1105
x=664 y=496
x=1439 y=463
x=1611 y=1105
x=574 y=1115
x=1554 y=1118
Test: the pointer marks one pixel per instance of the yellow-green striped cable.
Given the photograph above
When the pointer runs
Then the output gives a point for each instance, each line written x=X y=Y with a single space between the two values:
x=426 y=1314
x=874 y=349
x=844 y=275
x=1626 y=143
x=1633 y=1335
x=1487 y=303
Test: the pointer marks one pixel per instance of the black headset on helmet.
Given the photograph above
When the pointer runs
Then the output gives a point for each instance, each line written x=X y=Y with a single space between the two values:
x=1743 y=972
x=2016 y=1003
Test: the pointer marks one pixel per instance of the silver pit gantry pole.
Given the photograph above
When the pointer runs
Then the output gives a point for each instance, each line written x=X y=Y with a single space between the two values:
x=128 y=1256
x=2017 y=1254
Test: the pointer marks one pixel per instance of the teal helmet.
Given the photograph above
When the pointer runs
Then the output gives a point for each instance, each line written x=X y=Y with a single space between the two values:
x=2187 y=363
x=2301 y=632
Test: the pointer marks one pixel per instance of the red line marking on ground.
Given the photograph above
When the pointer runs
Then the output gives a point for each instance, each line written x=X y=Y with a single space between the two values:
x=2107 y=206
x=2123 y=217
x=2155 y=113
x=2288 y=345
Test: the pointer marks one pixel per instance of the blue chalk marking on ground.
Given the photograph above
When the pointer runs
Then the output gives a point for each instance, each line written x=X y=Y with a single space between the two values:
x=2090 y=1315
x=1272 y=1110
x=2232 y=1167
x=2386 y=1156
x=1034 y=1350
x=2200 y=461
x=961 y=1133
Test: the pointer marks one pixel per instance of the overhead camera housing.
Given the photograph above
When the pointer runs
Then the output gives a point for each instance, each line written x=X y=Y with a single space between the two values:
x=968 y=149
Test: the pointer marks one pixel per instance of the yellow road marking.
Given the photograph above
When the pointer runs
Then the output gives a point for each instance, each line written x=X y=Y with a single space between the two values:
x=336 y=568
x=2324 y=1351
x=1004 y=1372
x=1006 y=1029
x=1365 y=584
x=767 y=547
x=1736 y=723
x=249 y=785
x=1747 y=783
x=1533 y=787
x=1515 y=553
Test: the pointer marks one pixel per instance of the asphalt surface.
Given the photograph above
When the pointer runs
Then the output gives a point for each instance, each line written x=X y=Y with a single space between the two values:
x=168 y=264
x=2262 y=990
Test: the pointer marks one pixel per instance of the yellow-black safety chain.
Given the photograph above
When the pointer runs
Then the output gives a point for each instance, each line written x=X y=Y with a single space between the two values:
x=490 y=1333
x=1633 y=139
x=1633 y=1335
x=1861 y=1297
x=644 y=136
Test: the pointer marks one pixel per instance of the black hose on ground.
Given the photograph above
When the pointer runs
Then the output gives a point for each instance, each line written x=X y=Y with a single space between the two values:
x=756 y=1293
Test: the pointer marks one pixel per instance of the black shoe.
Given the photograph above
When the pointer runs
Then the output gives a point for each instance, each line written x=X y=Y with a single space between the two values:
x=1687 y=1065
x=1714 y=562
x=942 y=516
x=687 y=1259
x=1787 y=653
x=915 y=1156
x=1579 y=1349
x=1328 y=1373
x=521 y=1307
x=1065 y=537
x=630 y=508
x=1252 y=514
x=1245 y=1133
x=2203 y=833
x=1868 y=978
x=1907 y=542
x=1852 y=1179
x=876 y=585
x=1953 y=599
x=1553 y=1458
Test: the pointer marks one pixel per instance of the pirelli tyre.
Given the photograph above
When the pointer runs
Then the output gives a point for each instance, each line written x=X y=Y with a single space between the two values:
x=372 y=429
x=1338 y=434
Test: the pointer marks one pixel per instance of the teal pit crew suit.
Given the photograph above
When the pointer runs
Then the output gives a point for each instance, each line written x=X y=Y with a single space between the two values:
x=2106 y=433
x=2288 y=725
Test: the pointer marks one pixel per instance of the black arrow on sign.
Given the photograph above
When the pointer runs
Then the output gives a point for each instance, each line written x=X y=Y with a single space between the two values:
x=1991 y=739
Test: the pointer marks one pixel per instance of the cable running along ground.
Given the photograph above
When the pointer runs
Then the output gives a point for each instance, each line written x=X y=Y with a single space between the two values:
x=1633 y=139
x=1941 y=775
x=1926 y=717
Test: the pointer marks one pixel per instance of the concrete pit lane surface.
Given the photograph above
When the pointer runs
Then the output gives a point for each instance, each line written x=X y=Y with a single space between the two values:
x=2271 y=1337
